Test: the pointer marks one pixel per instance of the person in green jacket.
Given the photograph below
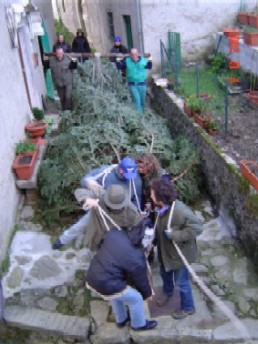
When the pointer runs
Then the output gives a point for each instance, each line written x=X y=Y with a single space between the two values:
x=136 y=67
x=176 y=224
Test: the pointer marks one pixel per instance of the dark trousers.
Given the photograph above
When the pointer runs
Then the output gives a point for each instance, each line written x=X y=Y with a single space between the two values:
x=178 y=278
x=65 y=95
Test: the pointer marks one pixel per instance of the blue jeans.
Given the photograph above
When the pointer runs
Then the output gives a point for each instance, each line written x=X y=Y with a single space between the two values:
x=181 y=279
x=138 y=93
x=75 y=230
x=133 y=299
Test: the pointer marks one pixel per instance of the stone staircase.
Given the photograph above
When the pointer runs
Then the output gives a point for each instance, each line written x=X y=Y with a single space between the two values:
x=42 y=277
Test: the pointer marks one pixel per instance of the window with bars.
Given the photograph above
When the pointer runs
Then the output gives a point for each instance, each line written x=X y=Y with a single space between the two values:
x=111 y=25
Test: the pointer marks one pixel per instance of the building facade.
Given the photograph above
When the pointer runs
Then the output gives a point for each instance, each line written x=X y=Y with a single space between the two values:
x=144 y=23
x=22 y=86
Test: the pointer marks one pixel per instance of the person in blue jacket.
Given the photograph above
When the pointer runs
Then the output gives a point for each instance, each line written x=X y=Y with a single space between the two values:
x=117 y=262
x=94 y=184
x=136 y=74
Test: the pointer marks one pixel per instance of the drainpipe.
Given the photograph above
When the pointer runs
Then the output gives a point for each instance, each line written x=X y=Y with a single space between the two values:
x=139 y=22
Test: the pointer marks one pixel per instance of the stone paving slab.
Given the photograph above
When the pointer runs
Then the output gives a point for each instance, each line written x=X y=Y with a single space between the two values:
x=55 y=323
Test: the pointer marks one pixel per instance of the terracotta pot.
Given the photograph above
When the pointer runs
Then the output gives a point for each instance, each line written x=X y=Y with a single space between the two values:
x=253 y=98
x=212 y=132
x=36 y=128
x=205 y=96
x=253 y=20
x=187 y=110
x=250 y=38
x=199 y=120
x=243 y=18
x=231 y=32
x=24 y=164
x=245 y=168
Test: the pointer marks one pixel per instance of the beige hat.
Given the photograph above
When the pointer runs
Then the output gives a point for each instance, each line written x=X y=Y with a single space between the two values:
x=116 y=197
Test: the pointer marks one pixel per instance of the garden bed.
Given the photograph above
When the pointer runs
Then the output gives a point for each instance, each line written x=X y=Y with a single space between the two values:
x=241 y=139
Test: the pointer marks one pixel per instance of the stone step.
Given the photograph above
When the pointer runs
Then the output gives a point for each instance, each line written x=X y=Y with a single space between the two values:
x=55 y=323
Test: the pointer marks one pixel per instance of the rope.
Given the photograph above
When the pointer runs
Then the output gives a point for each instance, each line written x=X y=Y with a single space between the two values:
x=103 y=214
x=232 y=317
x=136 y=196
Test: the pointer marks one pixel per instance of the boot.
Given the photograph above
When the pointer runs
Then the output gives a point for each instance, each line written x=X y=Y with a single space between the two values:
x=163 y=300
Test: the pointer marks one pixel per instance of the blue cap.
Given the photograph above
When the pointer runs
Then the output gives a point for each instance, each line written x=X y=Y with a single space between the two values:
x=129 y=168
x=117 y=39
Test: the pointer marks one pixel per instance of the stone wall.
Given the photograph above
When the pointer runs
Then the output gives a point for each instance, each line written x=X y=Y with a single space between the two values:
x=231 y=192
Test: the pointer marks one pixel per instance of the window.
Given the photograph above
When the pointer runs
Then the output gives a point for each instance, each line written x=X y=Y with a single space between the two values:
x=111 y=25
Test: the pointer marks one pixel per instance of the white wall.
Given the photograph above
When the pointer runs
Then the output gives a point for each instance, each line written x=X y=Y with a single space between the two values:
x=196 y=20
x=14 y=113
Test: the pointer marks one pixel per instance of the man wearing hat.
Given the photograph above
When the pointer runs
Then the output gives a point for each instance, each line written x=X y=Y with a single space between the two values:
x=94 y=184
x=117 y=48
x=112 y=207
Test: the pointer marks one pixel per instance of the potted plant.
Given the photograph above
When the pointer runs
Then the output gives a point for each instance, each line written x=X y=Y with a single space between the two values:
x=197 y=106
x=37 y=113
x=26 y=157
x=250 y=36
x=211 y=126
x=249 y=169
x=38 y=127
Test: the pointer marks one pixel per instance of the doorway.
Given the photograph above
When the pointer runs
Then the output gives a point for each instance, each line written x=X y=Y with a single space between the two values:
x=128 y=30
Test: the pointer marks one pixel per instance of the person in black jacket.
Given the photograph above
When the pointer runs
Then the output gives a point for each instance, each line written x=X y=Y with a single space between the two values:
x=80 y=44
x=117 y=48
x=116 y=262
x=61 y=43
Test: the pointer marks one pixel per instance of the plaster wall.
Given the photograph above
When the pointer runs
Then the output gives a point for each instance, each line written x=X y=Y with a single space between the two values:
x=197 y=21
x=128 y=8
x=14 y=112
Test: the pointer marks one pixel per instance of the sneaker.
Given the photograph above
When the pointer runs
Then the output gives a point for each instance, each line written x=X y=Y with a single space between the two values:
x=163 y=300
x=57 y=245
x=150 y=324
x=182 y=314
x=123 y=323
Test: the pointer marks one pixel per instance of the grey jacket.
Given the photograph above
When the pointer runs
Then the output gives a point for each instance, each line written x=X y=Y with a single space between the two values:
x=96 y=228
x=62 y=71
x=186 y=227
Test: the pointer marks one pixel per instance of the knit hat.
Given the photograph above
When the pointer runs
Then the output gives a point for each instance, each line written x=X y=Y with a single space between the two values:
x=129 y=168
x=117 y=39
x=116 y=197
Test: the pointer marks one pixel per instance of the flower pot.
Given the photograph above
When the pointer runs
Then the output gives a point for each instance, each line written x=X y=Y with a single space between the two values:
x=205 y=96
x=24 y=164
x=37 y=128
x=249 y=169
x=199 y=120
x=253 y=98
x=187 y=110
x=212 y=132
x=250 y=38
x=231 y=32
x=243 y=18
x=253 y=20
